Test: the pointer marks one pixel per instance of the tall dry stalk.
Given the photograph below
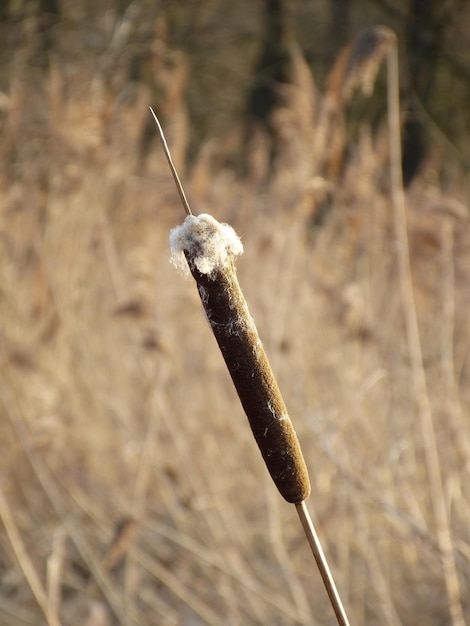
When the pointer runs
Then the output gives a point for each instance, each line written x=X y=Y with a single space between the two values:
x=25 y=562
x=438 y=499
x=357 y=68
x=58 y=504
x=209 y=249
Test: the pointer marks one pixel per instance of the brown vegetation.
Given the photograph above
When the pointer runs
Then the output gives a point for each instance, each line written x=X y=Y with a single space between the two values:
x=131 y=490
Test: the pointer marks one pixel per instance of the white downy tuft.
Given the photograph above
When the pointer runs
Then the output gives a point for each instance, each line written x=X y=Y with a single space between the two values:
x=209 y=243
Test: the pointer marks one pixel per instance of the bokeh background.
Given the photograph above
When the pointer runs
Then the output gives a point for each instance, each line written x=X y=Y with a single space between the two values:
x=132 y=491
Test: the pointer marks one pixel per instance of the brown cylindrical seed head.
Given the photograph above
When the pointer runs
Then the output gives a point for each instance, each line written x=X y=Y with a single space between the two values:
x=210 y=248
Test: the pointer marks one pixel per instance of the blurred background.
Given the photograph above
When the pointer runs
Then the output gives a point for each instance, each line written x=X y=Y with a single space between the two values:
x=132 y=491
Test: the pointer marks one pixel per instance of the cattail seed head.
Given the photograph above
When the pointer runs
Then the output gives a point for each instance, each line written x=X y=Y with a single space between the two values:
x=210 y=244
x=210 y=249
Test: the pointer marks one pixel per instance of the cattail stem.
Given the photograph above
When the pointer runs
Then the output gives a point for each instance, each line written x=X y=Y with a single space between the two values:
x=174 y=173
x=322 y=563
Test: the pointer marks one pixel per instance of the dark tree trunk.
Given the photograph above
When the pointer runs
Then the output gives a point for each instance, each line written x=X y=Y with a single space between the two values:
x=274 y=61
x=424 y=42
x=425 y=34
x=339 y=28
x=48 y=17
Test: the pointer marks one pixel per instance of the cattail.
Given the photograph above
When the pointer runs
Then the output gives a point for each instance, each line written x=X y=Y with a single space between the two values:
x=210 y=249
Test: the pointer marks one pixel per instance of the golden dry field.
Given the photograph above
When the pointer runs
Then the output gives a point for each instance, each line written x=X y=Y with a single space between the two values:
x=132 y=491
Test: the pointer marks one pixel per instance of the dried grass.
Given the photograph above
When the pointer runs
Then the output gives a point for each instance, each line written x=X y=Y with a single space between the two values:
x=105 y=417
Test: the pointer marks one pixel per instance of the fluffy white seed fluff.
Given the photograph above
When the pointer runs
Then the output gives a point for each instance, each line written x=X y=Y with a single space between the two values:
x=208 y=242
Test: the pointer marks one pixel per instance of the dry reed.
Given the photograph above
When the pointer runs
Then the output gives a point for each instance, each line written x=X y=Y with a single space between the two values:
x=91 y=363
x=419 y=382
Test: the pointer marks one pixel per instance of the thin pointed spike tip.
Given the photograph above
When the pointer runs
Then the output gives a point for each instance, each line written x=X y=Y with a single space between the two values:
x=176 y=178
